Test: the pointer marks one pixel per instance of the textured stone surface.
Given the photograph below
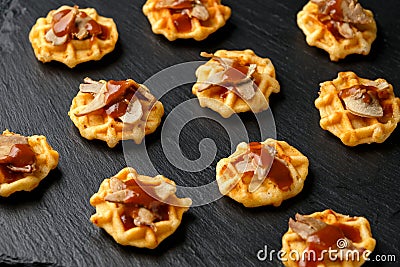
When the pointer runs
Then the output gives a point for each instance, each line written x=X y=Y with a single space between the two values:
x=50 y=226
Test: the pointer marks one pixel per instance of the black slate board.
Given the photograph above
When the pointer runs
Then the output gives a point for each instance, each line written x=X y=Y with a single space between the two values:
x=50 y=226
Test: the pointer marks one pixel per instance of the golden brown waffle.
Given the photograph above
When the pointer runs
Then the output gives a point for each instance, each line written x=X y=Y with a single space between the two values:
x=46 y=160
x=98 y=125
x=232 y=103
x=352 y=129
x=162 y=22
x=108 y=216
x=291 y=241
x=75 y=51
x=317 y=34
x=237 y=185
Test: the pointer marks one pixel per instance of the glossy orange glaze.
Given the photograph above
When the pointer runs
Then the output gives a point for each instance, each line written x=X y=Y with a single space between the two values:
x=182 y=22
x=326 y=239
x=20 y=155
x=93 y=27
x=8 y=176
x=118 y=97
x=350 y=232
x=105 y=33
x=279 y=173
x=234 y=74
x=64 y=23
x=322 y=240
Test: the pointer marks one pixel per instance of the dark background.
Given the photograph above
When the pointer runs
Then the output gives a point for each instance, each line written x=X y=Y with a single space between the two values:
x=50 y=226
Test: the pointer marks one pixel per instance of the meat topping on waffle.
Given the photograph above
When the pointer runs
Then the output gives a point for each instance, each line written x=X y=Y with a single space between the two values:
x=139 y=207
x=261 y=161
x=142 y=200
x=119 y=99
x=321 y=237
x=183 y=11
x=68 y=24
x=340 y=15
x=234 y=76
x=16 y=157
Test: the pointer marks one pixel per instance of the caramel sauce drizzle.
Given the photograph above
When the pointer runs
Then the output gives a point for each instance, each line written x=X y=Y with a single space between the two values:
x=64 y=23
x=182 y=22
x=118 y=96
x=234 y=74
x=138 y=200
x=180 y=10
x=279 y=173
x=326 y=239
x=20 y=155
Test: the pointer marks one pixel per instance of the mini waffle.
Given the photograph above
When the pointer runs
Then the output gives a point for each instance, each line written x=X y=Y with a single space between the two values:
x=237 y=186
x=98 y=125
x=292 y=242
x=352 y=129
x=46 y=160
x=229 y=102
x=72 y=52
x=108 y=215
x=319 y=35
x=162 y=21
